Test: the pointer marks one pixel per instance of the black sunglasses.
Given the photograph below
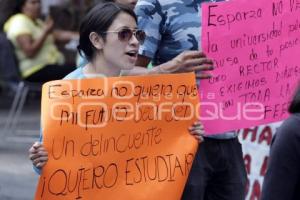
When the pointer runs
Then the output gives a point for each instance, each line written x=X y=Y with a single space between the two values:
x=125 y=34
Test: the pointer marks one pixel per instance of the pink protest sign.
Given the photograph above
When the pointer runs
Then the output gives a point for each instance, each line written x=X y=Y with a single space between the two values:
x=255 y=46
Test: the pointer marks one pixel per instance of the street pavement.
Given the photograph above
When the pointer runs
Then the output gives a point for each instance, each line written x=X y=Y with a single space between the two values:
x=17 y=178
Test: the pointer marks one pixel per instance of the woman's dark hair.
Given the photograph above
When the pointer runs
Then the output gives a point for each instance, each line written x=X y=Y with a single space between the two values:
x=295 y=104
x=98 y=20
x=19 y=6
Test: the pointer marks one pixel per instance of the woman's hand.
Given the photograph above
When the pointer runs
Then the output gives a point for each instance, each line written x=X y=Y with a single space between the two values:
x=49 y=25
x=197 y=130
x=189 y=61
x=38 y=155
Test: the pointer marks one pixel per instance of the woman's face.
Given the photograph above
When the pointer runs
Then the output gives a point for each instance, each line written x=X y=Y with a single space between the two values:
x=32 y=8
x=130 y=3
x=120 y=54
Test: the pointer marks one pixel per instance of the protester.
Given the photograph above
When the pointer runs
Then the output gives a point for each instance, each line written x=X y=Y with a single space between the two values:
x=33 y=39
x=81 y=60
x=109 y=38
x=184 y=62
x=218 y=171
x=282 y=180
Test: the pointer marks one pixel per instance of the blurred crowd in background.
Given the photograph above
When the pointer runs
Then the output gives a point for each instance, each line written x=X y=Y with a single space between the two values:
x=65 y=16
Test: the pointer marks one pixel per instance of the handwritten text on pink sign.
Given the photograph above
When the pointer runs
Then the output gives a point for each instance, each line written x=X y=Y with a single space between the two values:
x=255 y=46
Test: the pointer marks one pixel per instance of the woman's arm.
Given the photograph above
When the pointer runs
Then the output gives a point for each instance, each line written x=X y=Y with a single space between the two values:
x=31 y=47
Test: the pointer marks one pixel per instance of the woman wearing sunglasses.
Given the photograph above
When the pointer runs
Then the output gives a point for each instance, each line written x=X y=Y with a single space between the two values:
x=109 y=38
x=185 y=62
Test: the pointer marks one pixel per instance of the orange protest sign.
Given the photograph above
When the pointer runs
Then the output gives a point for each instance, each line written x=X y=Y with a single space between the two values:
x=118 y=138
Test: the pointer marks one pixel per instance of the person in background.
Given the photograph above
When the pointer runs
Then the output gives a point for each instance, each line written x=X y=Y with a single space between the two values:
x=110 y=40
x=282 y=179
x=172 y=27
x=33 y=40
